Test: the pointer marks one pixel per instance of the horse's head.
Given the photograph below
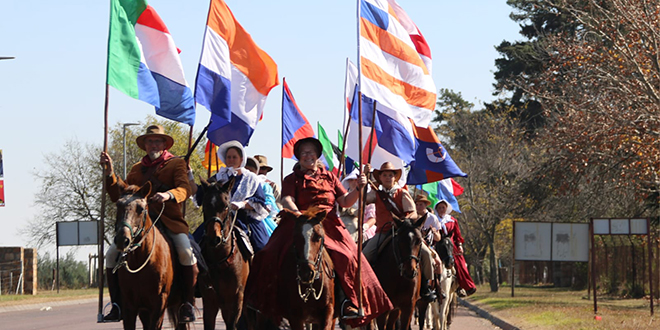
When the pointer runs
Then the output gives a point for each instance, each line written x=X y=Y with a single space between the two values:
x=132 y=215
x=407 y=243
x=308 y=239
x=215 y=207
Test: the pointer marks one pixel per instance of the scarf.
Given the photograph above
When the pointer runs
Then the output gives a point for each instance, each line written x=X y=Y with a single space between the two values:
x=245 y=189
x=147 y=162
x=443 y=220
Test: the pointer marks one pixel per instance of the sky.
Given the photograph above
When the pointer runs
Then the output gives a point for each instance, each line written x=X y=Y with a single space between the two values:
x=53 y=91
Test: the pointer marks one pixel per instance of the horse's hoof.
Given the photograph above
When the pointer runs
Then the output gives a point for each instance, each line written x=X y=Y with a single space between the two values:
x=461 y=293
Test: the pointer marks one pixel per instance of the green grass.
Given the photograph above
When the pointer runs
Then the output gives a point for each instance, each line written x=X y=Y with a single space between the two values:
x=46 y=296
x=561 y=308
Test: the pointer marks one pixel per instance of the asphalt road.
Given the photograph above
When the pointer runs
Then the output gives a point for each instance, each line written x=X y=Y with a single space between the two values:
x=81 y=315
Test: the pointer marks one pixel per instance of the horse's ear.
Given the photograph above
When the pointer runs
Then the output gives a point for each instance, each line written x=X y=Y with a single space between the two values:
x=229 y=183
x=319 y=216
x=421 y=220
x=145 y=189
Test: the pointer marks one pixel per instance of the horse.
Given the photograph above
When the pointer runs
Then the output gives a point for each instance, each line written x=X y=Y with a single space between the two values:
x=398 y=271
x=306 y=286
x=146 y=271
x=443 y=309
x=224 y=284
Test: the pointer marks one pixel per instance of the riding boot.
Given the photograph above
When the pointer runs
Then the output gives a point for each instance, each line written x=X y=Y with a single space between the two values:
x=115 y=297
x=346 y=308
x=425 y=291
x=187 y=310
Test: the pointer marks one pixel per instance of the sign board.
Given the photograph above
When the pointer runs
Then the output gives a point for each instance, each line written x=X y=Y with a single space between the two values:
x=77 y=233
x=620 y=226
x=533 y=240
x=551 y=241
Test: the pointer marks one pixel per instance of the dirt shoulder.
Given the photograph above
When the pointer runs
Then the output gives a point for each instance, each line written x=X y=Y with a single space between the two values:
x=560 y=308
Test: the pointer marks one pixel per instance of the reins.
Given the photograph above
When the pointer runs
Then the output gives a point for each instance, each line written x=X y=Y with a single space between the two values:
x=122 y=258
x=317 y=272
x=399 y=260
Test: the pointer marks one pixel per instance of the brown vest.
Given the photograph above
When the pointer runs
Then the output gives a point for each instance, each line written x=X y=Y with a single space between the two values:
x=383 y=215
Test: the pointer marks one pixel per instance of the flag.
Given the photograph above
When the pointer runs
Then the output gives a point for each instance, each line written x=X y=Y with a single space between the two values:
x=392 y=70
x=295 y=125
x=211 y=158
x=329 y=156
x=144 y=63
x=2 y=192
x=446 y=189
x=432 y=161
x=234 y=77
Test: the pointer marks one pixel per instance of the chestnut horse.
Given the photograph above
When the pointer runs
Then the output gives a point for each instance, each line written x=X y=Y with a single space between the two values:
x=397 y=268
x=146 y=268
x=224 y=284
x=306 y=287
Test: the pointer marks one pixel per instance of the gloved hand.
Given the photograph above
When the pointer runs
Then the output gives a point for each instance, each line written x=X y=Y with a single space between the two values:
x=237 y=205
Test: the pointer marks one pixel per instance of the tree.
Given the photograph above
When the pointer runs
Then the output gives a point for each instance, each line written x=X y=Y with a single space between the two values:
x=71 y=183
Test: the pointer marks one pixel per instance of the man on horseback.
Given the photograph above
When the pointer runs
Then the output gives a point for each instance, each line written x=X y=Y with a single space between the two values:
x=391 y=199
x=170 y=188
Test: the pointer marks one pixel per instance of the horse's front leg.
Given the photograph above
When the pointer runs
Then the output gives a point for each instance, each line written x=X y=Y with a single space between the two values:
x=129 y=318
x=297 y=324
x=406 y=316
x=211 y=307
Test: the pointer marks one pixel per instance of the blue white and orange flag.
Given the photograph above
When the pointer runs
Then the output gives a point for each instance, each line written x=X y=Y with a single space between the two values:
x=295 y=125
x=391 y=69
x=234 y=77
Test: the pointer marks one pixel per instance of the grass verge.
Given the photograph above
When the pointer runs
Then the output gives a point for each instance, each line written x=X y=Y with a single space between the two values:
x=47 y=296
x=561 y=308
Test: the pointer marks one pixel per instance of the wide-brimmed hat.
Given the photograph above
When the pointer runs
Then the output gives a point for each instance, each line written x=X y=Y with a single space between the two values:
x=155 y=131
x=314 y=141
x=387 y=166
x=222 y=151
x=263 y=163
x=422 y=198
x=252 y=162
x=449 y=208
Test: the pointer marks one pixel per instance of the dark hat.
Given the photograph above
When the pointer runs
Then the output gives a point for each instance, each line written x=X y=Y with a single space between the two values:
x=387 y=166
x=155 y=131
x=314 y=141
x=422 y=198
x=263 y=163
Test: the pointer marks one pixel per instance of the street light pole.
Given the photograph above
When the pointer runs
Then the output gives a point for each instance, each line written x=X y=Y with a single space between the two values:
x=124 y=150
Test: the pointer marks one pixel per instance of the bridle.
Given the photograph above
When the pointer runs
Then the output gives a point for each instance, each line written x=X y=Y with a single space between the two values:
x=316 y=272
x=134 y=246
x=400 y=262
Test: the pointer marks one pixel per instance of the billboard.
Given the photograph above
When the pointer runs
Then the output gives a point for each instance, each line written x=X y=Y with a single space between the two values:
x=551 y=241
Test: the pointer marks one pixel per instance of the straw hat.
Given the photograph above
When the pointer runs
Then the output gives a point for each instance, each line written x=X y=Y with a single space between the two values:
x=222 y=151
x=314 y=141
x=155 y=131
x=263 y=163
x=422 y=198
x=387 y=166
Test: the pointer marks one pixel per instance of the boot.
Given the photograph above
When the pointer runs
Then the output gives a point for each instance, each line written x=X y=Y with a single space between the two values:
x=425 y=291
x=115 y=297
x=187 y=309
x=347 y=310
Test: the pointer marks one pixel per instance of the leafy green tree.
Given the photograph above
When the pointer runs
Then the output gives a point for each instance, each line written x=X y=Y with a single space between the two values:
x=73 y=274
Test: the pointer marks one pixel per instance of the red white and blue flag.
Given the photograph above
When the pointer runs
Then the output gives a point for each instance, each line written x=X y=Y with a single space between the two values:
x=295 y=125
x=234 y=77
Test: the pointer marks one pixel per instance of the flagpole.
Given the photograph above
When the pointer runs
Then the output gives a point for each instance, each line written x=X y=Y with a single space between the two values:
x=208 y=172
x=282 y=133
x=358 y=277
x=101 y=225
x=187 y=159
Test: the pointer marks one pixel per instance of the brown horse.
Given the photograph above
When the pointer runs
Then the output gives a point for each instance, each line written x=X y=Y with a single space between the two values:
x=224 y=284
x=397 y=268
x=306 y=287
x=146 y=270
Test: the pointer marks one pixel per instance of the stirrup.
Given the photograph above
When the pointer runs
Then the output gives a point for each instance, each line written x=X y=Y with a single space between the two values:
x=189 y=318
x=108 y=320
x=350 y=316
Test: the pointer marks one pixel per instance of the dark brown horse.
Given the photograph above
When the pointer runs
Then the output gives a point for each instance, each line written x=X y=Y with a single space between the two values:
x=146 y=270
x=397 y=268
x=223 y=286
x=306 y=287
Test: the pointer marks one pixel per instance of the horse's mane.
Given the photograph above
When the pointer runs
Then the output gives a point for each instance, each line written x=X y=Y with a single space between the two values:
x=132 y=189
x=310 y=213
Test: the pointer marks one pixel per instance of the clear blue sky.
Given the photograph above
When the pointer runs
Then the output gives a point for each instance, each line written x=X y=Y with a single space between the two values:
x=54 y=90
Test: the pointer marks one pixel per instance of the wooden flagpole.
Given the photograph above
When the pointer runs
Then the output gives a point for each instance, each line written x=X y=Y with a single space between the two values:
x=342 y=161
x=358 y=277
x=208 y=172
x=187 y=159
x=101 y=225
x=282 y=134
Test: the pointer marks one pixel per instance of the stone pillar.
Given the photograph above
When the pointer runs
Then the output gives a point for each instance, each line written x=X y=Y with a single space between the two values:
x=30 y=271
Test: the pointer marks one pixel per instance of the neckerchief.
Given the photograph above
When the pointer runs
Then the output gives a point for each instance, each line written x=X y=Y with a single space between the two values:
x=147 y=162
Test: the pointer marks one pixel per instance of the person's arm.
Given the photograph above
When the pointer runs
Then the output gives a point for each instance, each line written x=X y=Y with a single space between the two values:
x=181 y=190
x=458 y=238
x=288 y=199
x=348 y=199
x=408 y=205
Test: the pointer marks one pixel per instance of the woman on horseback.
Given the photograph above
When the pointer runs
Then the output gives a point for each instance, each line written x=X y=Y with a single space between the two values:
x=451 y=229
x=309 y=185
x=391 y=199
x=349 y=215
x=253 y=166
x=246 y=196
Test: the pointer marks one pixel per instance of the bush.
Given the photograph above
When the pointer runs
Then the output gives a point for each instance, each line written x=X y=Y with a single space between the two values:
x=73 y=273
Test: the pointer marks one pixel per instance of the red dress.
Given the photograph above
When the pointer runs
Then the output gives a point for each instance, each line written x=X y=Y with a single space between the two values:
x=462 y=273
x=321 y=191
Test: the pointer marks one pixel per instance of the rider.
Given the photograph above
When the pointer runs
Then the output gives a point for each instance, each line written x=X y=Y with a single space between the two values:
x=169 y=182
x=349 y=215
x=246 y=196
x=451 y=229
x=309 y=185
x=391 y=199
x=264 y=168
x=253 y=166
x=432 y=224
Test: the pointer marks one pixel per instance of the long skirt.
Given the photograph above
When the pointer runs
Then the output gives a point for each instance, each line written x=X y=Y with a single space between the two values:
x=462 y=273
x=261 y=288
